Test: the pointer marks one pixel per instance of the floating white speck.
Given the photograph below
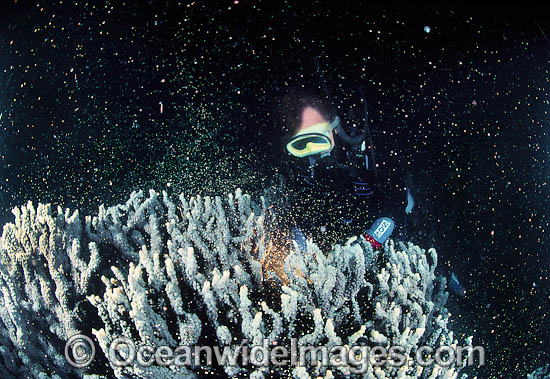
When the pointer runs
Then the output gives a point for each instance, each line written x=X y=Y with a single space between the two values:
x=427 y=29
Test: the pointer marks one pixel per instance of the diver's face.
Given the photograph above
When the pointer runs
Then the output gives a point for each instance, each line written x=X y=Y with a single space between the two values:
x=310 y=117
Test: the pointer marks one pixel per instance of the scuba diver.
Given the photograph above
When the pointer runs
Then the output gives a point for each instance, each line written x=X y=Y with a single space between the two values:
x=332 y=183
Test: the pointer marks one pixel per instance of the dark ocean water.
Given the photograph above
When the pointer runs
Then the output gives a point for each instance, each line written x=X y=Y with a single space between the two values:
x=99 y=99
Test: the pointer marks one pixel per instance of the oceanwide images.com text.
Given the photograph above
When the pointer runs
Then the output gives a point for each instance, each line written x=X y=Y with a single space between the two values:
x=80 y=352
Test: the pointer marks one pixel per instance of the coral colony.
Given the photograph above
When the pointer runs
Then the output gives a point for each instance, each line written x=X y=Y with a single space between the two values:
x=184 y=272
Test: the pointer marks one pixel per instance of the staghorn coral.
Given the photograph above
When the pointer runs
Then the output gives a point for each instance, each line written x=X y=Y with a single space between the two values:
x=192 y=272
x=542 y=372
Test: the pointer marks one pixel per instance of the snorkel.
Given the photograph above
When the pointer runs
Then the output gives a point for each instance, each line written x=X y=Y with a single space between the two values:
x=338 y=128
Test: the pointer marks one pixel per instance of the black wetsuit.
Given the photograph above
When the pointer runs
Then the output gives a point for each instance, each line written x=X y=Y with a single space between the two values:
x=338 y=197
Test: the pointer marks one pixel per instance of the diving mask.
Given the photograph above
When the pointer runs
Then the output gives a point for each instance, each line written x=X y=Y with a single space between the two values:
x=313 y=140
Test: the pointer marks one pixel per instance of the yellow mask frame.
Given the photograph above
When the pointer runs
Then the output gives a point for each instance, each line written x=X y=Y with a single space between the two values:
x=313 y=140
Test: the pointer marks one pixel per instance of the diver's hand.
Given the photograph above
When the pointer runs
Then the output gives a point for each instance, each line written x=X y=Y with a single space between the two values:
x=379 y=232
